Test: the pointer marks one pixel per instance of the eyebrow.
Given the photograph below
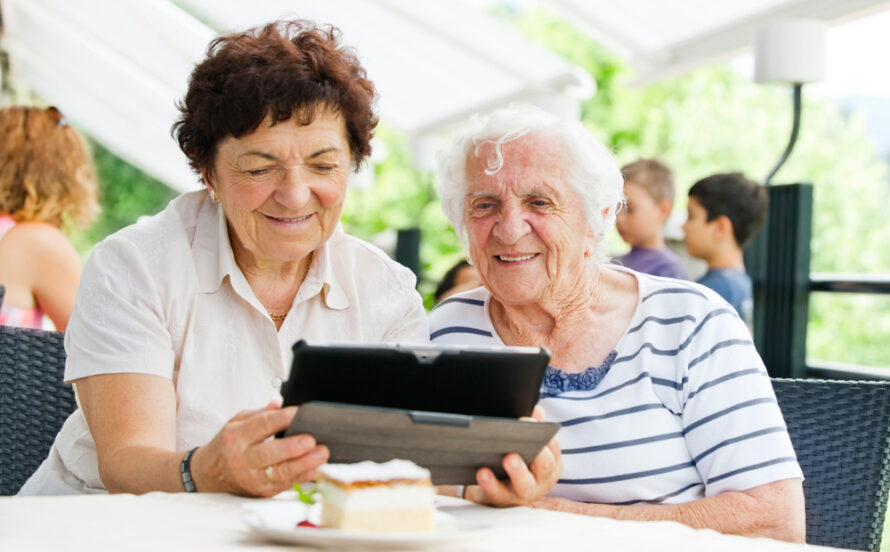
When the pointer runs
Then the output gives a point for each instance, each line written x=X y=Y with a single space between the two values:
x=323 y=151
x=271 y=157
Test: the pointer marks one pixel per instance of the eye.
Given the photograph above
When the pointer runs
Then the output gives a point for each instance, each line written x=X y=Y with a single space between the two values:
x=323 y=169
x=258 y=172
x=482 y=207
x=539 y=202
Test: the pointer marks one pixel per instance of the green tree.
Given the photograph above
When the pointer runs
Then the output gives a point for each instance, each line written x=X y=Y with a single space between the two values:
x=125 y=193
x=403 y=197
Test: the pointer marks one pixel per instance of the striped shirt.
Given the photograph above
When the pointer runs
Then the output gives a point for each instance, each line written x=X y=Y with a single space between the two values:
x=681 y=409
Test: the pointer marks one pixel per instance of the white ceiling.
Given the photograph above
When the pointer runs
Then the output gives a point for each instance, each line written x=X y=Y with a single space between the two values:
x=664 y=38
x=117 y=67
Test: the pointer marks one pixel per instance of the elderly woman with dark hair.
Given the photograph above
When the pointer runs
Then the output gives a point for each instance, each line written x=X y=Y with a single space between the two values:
x=666 y=409
x=183 y=325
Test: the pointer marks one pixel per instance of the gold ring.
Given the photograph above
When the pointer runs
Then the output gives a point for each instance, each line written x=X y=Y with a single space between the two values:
x=270 y=473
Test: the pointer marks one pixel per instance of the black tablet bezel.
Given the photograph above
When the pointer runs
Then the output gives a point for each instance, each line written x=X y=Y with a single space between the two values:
x=495 y=381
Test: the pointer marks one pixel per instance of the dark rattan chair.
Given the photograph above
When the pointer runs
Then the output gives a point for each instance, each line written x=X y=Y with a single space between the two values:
x=841 y=433
x=34 y=401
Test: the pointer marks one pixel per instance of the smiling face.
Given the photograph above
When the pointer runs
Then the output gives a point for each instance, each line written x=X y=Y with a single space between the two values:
x=527 y=233
x=282 y=188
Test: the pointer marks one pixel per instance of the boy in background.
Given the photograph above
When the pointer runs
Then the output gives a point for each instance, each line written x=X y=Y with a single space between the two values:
x=649 y=191
x=725 y=211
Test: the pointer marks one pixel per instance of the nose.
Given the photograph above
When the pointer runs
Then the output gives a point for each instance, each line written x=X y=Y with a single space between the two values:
x=511 y=225
x=293 y=192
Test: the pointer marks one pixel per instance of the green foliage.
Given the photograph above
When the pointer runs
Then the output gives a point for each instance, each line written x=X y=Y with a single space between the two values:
x=125 y=193
x=403 y=197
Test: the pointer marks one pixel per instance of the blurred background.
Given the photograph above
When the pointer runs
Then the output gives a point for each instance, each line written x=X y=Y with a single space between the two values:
x=672 y=80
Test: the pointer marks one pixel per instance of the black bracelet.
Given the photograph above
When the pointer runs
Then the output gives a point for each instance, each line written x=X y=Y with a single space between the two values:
x=185 y=472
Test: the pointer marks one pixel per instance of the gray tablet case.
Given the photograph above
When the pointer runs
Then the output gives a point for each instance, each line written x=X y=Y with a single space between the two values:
x=451 y=446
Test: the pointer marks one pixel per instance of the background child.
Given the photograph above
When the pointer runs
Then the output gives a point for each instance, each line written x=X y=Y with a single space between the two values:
x=460 y=277
x=649 y=189
x=725 y=210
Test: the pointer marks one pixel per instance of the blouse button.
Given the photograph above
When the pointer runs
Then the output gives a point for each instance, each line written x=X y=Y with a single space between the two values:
x=276 y=383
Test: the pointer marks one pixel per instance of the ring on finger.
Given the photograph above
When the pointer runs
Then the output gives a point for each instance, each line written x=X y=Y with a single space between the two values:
x=270 y=473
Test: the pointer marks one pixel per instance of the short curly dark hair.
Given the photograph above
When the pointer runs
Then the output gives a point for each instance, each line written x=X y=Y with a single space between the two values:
x=281 y=70
x=743 y=201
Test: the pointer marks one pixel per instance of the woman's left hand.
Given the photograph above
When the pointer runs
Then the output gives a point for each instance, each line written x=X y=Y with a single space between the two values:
x=525 y=484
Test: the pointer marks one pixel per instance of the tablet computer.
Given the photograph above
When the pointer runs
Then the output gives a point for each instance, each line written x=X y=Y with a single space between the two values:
x=475 y=381
x=452 y=446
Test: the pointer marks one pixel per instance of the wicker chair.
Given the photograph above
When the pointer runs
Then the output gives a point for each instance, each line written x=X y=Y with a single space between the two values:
x=841 y=433
x=34 y=401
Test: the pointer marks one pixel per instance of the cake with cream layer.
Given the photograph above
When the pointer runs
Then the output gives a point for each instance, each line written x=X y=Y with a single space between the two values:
x=396 y=496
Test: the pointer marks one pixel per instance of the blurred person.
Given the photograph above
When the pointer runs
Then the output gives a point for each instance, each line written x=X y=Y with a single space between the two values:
x=460 y=277
x=649 y=197
x=184 y=323
x=666 y=409
x=46 y=182
x=724 y=213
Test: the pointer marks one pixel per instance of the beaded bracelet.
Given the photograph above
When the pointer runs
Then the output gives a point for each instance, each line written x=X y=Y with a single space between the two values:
x=185 y=472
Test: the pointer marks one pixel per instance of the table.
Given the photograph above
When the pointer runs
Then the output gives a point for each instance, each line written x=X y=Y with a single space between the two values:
x=195 y=522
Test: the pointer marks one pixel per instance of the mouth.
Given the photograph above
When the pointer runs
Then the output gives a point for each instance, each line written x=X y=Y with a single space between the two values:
x=516 y=258
x=288 y=220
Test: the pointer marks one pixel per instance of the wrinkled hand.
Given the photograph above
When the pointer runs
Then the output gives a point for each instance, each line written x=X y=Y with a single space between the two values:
x=242 y=460
x=525 y=484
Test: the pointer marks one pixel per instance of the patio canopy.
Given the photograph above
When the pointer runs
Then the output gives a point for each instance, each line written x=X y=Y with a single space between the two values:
x=661 y=39
x=116 y=68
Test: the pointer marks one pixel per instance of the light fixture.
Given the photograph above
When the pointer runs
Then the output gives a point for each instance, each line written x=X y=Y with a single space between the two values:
x=790 y=51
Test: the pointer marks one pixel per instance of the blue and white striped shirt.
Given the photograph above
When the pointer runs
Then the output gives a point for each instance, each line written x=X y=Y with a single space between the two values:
x=681 y=409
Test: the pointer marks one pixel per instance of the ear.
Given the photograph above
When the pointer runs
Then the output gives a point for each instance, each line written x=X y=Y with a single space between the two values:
x=206 y=178
x=664 y=209
x=723 y=227
x=592 y=243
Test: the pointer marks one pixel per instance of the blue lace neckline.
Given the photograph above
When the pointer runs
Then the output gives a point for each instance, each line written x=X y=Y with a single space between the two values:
x=557 y=381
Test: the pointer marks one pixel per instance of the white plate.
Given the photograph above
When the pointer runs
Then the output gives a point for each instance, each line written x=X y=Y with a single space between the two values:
x=276 y=520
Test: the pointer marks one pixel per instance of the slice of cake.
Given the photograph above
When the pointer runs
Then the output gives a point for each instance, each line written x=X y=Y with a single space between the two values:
x=396 y=496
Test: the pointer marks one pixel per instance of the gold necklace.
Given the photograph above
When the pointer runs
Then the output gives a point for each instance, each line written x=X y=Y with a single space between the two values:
x=277 y=317
x=280 y=316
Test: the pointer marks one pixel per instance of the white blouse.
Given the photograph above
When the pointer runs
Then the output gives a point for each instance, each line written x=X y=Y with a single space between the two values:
x=165 y=297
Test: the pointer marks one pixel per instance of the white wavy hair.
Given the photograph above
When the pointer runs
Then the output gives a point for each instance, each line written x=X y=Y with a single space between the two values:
x=593 y=171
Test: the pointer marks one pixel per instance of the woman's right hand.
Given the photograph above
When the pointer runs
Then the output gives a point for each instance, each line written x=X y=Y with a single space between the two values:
x=242 y=459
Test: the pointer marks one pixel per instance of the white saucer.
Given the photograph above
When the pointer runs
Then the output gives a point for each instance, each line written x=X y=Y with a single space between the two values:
x=276 y=520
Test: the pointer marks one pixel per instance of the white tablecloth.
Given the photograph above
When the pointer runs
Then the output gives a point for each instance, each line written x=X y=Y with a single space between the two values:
x=193 y=522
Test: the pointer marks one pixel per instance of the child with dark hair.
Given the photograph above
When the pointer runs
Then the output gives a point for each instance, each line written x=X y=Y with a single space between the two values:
x=649 y=193
x=725 y=211
x=460 y=277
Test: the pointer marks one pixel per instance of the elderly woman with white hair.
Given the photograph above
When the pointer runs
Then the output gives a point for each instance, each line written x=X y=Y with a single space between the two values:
x=667 y=411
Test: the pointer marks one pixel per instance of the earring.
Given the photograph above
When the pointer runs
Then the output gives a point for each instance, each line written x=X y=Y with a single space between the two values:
x=213 y=197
